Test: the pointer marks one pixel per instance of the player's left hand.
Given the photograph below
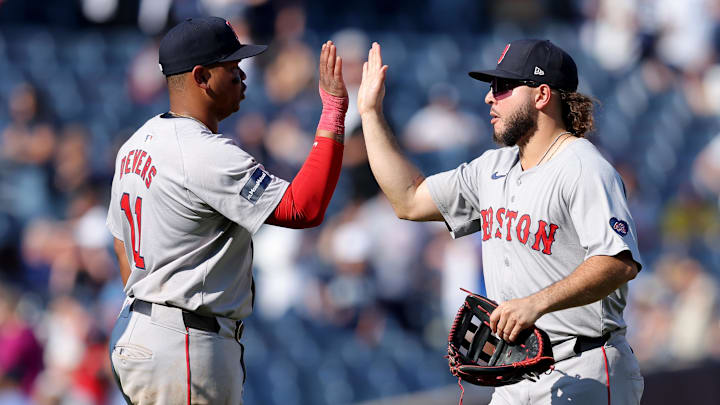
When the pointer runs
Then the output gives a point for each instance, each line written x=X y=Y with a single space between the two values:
x=331 y=78
x=512 y=317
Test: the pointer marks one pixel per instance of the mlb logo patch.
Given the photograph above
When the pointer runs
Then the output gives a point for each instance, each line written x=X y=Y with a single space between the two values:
x=619 y=226
x=255 y=186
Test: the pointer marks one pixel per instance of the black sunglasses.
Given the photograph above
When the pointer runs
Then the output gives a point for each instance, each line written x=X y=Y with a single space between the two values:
x=502 y=86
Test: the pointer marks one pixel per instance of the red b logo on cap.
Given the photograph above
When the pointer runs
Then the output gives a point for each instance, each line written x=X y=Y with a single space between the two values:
x=233 y=30
x=503 y=53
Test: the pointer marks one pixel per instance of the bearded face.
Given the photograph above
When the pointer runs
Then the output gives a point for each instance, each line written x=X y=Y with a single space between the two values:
x=519 y=126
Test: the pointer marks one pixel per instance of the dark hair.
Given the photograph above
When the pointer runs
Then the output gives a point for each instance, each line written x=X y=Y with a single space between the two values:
x=577 y=112
x=176 y=81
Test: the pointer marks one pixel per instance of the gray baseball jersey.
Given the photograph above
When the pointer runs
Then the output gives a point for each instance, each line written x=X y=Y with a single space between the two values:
x=186 y=202
x=540 y=224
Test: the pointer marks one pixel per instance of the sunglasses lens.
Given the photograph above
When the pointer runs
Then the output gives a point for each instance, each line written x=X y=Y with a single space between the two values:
x=500 y=86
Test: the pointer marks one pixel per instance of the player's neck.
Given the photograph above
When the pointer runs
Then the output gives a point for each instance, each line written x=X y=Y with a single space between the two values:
x=197 y=113
x=542 y=146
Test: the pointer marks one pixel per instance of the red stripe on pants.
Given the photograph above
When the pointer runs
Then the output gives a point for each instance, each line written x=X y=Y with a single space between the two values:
x=607 y=373
x=187 y=361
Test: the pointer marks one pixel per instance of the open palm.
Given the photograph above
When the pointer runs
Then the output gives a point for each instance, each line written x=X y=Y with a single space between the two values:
x=372 y=87
x=331 y=78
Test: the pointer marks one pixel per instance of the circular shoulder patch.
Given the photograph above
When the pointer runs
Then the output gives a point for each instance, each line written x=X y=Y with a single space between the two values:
x=619 y=226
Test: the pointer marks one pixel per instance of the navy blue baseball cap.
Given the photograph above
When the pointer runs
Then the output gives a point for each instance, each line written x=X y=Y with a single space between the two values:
x=540 y=61
x=202 y=41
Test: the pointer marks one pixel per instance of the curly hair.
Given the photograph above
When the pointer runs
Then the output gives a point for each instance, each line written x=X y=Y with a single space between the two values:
x=577 y=112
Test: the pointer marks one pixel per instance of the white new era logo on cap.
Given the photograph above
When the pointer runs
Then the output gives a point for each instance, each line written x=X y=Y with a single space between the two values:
x=539 y=72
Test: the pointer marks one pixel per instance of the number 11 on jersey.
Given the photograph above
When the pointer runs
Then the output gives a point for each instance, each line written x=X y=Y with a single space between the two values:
x=125 y=206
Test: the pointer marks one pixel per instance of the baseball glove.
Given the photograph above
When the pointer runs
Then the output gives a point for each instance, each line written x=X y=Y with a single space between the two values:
x=480 y=357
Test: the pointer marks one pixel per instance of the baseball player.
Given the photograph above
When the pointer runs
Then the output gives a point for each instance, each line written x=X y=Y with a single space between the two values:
x=559 y=242
x=185 y=204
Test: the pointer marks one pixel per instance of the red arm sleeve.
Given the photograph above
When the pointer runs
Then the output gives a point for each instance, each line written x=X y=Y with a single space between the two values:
x=304 y=203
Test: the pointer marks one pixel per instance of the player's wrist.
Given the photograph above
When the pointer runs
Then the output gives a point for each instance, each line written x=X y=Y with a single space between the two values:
x=372 y=114
x=332 y=118
x=540 y=303
x=329 y=136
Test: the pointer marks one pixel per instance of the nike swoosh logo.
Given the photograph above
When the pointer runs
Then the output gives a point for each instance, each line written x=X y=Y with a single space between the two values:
x=496 y=176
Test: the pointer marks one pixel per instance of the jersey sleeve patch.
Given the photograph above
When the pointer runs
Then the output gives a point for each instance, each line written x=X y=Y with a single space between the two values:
x=255 y=186
x=619 y=226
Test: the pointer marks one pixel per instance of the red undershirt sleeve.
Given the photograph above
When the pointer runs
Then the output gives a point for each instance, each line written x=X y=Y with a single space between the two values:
x=304 y=203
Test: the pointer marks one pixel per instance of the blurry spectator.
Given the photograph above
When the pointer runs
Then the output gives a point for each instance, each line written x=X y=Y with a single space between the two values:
x=279 y=282
x=242 y=29
x=227 y=7
x=357 y=177
x=644 y=208
x=87 y=219
x=706 y=169
x=673 y=314
x=48 y=256
x=439 y=133
x=250 y=131
x=20 y=352
x=290 y=73
x=711 y=85
x=99 y=10
x=29 y=138
x=65 y=330
x=153 y=15
x=145 y=82
x=399 y=278
x=290 y=24
x=369 y=271
x=347 y=247
x=27 y=144
x=72 y=167
x=694 y=299
x=525 y=12
x=62 y=256
x=352 y=45
x=461 y=268
x=287 y=144
x=649 y=316
x=611 y=33
x=680 y=24
x=688 y=221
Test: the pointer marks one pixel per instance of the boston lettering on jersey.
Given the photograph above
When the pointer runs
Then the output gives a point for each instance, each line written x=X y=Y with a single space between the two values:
x=138 y=162
x=510 y=225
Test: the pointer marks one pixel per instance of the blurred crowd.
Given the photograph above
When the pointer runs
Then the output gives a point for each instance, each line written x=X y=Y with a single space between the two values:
x=653 y=65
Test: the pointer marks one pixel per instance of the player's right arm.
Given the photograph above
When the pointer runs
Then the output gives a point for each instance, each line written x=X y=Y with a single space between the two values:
x=402 y=182
x=307 y=197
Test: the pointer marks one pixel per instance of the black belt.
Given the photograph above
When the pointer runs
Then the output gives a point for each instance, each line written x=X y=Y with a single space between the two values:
x=190 y=319
x=585 y=343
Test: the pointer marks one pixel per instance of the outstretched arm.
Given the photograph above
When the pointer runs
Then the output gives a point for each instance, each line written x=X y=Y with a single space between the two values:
x=304 y=203
x=593 y=280
x=402 y=182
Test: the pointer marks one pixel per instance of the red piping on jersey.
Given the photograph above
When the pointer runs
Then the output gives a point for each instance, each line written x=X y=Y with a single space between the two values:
x=607 y=373
x=304 y=203
x=187 y=361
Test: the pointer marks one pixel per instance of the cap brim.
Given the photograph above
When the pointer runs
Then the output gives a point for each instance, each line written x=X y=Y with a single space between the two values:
x=245 y=51
x=488 y=75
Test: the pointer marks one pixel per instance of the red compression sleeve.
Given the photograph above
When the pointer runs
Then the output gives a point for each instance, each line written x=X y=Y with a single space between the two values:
x=304 y=203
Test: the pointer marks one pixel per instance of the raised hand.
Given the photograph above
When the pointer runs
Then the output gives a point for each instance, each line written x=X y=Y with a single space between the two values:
x=372 y=87
x=331 y=78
